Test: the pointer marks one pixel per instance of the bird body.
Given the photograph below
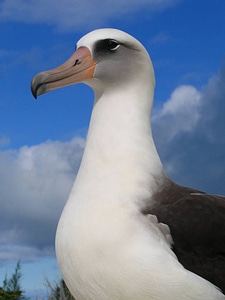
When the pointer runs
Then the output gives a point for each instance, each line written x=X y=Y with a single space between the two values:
x=109 y=242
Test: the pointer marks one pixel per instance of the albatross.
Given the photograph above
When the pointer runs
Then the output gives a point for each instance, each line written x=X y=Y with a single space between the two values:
x=127 y=231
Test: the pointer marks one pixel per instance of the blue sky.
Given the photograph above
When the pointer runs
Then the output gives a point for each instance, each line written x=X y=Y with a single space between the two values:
x=41 y=141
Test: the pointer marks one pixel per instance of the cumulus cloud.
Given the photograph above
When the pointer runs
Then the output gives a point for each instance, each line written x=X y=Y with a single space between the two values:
x=70 y=14
x=181 y=112
x=34 y=185
x=189 y=133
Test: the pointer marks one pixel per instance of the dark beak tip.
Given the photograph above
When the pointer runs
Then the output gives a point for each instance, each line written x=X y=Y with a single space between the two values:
x=33 y=89
x=33 y=92
x=38 y=85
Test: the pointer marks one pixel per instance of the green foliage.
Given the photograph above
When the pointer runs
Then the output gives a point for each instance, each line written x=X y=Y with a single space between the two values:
x=10 y=295
x=59 y=291
x=11 y=289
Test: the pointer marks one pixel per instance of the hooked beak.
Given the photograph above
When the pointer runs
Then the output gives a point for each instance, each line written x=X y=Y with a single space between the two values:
x=78 y=68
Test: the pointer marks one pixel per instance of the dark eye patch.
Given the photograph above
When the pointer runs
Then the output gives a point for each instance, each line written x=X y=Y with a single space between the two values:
x=106 y=46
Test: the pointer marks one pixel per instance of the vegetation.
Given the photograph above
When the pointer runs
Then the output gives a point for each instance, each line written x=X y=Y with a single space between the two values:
x=59 y=291
x=11 y=288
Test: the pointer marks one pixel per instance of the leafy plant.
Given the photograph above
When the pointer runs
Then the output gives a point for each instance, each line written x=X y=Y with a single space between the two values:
x=11 y=289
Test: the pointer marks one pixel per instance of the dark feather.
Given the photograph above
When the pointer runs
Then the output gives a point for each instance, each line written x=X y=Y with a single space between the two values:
x=197 y=224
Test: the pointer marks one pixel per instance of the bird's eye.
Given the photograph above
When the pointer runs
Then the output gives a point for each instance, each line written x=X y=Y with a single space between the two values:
x=112 y=45
x=105 y=47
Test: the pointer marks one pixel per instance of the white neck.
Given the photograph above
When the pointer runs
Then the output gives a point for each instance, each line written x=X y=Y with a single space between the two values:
x=120 y=152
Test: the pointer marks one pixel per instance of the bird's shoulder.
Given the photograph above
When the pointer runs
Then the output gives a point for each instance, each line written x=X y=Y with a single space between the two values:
x=196 y=219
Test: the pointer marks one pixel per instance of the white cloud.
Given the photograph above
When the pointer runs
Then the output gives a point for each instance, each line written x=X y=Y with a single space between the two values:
x=34 y=185
x=14 y=252
x=69 y=14
x=180 y=113
x=189 y=134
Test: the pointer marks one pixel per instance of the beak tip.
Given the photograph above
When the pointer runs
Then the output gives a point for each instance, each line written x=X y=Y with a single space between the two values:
x=33 y=88
x=38 y=86
x=33 y=92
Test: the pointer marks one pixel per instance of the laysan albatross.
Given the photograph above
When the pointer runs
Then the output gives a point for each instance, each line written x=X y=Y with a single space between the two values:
x=127 y=231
